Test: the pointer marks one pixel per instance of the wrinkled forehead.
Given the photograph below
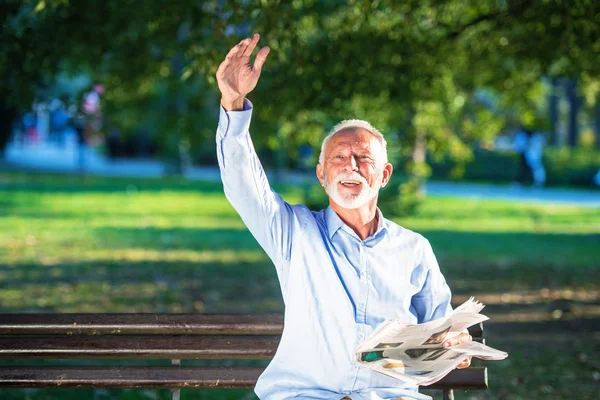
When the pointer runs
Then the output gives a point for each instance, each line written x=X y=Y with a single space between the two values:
x=355 y=138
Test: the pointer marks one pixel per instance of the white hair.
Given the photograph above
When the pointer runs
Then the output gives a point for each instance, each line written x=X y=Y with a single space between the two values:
x=353 y=124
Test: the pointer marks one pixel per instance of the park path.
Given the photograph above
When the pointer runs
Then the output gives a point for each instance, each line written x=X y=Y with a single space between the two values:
x=524 y=194
x=154 y=168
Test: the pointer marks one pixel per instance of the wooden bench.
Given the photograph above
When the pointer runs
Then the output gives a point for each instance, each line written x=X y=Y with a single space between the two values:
x=171 y=337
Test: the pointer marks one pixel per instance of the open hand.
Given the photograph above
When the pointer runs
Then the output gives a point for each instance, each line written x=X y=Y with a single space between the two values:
x=462 y=338
x=236 y=77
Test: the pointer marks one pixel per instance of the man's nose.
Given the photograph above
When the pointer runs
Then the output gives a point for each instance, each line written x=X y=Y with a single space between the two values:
x=352 y=164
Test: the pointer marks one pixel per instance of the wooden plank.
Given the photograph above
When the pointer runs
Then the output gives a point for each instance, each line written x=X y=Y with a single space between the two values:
x=177 y=377
x=150 y=324
x=468 y=378
x=142 y=324
x=139 y=346
x=129 y=377
x=146 y=347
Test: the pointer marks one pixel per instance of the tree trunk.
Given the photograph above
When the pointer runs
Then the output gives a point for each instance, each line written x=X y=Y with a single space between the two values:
x=597 y=121
x=8 y=115
x=571 y=89
x=420 y=152
x=553 y=112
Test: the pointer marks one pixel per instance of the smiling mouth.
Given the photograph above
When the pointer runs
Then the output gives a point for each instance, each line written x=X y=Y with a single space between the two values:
x=350 y=184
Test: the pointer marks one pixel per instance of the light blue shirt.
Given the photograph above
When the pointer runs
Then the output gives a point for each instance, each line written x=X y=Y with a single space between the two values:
x=336 y=287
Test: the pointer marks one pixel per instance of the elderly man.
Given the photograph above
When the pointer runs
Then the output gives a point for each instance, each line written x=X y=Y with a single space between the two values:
x=342 y=270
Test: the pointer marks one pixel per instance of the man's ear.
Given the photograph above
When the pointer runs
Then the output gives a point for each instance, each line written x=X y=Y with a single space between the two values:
x=387 y=174
x=320 y=174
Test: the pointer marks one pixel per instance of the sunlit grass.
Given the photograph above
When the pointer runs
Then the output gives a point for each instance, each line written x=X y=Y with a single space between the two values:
x=475 y=215
x=88 y=244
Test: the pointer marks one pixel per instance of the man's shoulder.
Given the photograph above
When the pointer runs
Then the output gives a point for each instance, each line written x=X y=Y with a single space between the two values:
x=304 y=213
x=395 y=230
x=318 y=216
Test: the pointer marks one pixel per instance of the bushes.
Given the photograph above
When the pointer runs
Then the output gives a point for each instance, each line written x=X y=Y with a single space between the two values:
x=571 y=166
x=401 y=197
x=564 y=166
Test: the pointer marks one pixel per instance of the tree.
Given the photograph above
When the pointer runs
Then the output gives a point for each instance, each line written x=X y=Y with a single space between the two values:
x=413 y=67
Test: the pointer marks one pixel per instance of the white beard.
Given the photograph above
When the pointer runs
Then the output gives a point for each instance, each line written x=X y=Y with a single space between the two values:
x=349 y=200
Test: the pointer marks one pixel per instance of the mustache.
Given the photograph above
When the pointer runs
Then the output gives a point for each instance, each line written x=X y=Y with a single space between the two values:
x=351 y=176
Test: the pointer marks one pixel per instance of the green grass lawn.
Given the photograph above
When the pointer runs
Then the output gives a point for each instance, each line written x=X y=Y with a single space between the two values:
x=88 y=244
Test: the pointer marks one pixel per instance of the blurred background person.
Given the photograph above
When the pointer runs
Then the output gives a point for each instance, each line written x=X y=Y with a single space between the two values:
x=520 y=145
x=533 y=155
x=529 y=145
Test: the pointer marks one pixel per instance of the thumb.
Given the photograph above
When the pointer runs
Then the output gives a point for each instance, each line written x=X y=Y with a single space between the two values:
x=261 y=57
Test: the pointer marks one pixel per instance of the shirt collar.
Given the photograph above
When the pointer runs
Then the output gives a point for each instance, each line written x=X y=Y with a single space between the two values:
x=334 y=222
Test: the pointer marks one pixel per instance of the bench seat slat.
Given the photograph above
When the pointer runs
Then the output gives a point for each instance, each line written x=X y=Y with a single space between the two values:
x=139 y=347
x=150 y=324
x=128 y=377
x=177 y=377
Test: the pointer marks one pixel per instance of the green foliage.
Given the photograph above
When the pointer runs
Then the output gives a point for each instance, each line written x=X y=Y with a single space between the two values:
x=315 y=197
x=404 y=66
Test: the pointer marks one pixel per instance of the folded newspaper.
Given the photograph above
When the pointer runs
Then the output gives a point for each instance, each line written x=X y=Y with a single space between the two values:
x=414 y=353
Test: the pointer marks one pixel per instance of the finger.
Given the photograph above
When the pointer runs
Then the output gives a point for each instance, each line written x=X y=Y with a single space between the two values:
x=222 y=68
x=232 y=52
x=465 y=364
x=253 y=42
x=242 y=47
x=261 y=57
x=462 y=338
x=450 y=342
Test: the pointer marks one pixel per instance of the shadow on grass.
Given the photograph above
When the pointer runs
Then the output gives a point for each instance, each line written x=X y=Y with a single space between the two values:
x=221 y=269
x=177 y=238
x=141 y=287
x=522 y=257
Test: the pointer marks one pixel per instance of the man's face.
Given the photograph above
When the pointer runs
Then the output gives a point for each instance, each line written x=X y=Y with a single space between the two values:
x=354 y=168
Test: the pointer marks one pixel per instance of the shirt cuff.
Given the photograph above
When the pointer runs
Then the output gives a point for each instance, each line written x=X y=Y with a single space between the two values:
x=235 y=123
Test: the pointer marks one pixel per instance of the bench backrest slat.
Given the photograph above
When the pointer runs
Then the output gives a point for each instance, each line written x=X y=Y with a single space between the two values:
x=150 y=324
x=141 y=324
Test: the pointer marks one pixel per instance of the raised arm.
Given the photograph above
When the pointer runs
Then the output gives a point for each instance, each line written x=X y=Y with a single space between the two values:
x=267 y=216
